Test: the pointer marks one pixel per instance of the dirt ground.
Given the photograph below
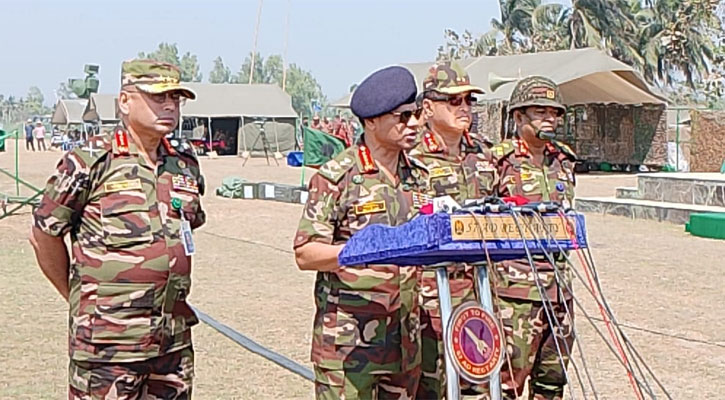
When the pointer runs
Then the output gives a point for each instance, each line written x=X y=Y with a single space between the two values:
x=655 y=276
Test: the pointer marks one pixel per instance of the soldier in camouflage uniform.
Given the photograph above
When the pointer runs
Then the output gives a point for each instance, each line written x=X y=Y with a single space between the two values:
x=538 y=168
x=129 y=201
x=366 y=337
x=459 y=168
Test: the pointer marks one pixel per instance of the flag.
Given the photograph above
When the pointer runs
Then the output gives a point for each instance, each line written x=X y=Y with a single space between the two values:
x=320 y=147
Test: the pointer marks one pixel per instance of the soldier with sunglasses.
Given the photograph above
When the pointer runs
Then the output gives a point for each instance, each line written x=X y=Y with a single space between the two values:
x=366 y=334
x=459 y=168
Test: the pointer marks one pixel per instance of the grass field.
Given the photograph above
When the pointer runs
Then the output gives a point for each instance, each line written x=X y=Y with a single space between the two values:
x=655 y=275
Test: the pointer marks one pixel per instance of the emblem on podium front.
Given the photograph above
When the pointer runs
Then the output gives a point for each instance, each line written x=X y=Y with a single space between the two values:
x=474 y=342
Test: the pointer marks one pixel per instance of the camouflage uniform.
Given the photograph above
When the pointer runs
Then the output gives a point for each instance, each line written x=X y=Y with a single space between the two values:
x=469 y=175
x=529 y=338
x=366 y=336
x=129 y=323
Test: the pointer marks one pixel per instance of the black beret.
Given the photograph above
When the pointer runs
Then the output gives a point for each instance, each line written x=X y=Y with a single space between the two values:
x=383 y=91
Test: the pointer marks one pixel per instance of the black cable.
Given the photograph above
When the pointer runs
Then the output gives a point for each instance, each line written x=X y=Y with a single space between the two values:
x=542 y=294
x=629 y=369
x=253 y=242
x=558 y=278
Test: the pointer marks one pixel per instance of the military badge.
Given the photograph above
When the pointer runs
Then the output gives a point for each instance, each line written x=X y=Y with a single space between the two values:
x=118 y=186
x=484 y=166
x=441 y=172
x=474 y=342
x=420 y=199
x=550 y=94
x=366 y=159
x=181 y=164
x=185 y=184
x=358 y=179
x=431 y=143
x=371 y=207
x=121 y=137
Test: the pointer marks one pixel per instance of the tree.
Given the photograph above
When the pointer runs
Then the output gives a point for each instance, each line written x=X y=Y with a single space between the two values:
x=33 y=104
x=672 y=42
x=303 y=88
x=169 y=53
x=220 y=73
x=64 y=92
x=243 y=75
x=189 y=67
x=301 y=85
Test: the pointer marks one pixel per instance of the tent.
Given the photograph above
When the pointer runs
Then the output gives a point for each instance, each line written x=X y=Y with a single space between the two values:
x=585 y=76
x=68 y=112
x=102 y=109
x=231 y=117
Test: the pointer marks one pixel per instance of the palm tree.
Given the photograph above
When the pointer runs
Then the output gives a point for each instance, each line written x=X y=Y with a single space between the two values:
x=550 y=28
x=515 y=23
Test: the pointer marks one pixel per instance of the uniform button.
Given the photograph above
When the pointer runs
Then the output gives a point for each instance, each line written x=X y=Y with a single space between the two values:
x=176 y=203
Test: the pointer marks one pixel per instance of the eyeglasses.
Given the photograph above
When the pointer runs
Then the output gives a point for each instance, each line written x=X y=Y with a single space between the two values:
x=455 y=101
x=405 y=116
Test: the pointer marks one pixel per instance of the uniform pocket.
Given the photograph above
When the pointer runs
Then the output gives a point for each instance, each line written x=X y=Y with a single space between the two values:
x=125 y=220
x=123 y=314
x=362 y=318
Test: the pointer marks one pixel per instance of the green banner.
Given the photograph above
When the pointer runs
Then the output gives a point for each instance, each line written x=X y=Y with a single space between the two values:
x=320 y=147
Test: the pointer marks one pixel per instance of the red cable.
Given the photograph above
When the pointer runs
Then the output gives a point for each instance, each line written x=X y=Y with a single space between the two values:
x=607 y=322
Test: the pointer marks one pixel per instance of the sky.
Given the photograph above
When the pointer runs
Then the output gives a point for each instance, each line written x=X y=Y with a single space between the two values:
x=46 y=42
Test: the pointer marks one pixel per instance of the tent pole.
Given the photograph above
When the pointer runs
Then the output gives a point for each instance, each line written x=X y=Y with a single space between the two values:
x=208 y=124
x=284 y=53
x=17 y=182
x=254 y=47
x=304 y=149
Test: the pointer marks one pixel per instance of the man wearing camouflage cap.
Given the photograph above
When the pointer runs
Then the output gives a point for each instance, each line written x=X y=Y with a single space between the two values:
x=538 y=168
x=459 y=168
x=366 y=335
x=129 y=201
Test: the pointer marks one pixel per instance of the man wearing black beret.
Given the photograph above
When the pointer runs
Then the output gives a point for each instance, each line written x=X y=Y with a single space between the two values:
x=366 y=336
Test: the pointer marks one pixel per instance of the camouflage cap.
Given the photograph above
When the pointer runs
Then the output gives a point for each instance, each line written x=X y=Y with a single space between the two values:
x=448 y=77
x=153 y=77
x=536 y=91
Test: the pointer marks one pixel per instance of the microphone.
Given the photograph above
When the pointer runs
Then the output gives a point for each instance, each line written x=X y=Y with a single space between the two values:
x=545 y=135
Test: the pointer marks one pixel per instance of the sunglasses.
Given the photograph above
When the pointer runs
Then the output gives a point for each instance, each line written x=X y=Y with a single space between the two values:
x=405 y=116
x=455 y=101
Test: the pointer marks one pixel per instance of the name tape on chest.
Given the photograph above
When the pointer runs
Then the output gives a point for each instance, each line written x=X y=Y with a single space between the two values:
x=117 y=186
x=185 y=183
x=441 y=172
x=370 y=207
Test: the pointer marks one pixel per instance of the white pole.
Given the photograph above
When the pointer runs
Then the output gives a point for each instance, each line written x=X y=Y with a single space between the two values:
x=284 y=54
x=254 y=47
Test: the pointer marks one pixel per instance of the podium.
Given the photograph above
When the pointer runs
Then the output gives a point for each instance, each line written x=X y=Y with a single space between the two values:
x=473 y=340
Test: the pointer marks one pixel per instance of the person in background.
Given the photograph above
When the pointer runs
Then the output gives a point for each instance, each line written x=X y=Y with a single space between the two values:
x=29 y=135
x=39 y=133
x=316 y=124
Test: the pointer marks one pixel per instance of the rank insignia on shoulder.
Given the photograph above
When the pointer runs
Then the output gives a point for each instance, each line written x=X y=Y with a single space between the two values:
x=185 y=183
x=370 y=207
x=440 y=172
x=118 y=186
